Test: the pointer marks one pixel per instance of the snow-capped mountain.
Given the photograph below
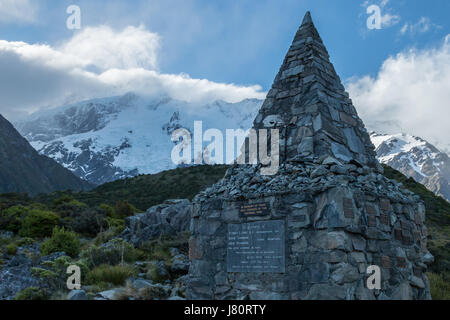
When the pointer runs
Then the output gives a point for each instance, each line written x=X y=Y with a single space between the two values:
x=112 y=138
x=415 y=158
x=107 y=139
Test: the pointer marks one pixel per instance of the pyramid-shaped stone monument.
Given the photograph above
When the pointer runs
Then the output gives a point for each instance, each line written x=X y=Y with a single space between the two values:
x=310 y=106
x=328 y=224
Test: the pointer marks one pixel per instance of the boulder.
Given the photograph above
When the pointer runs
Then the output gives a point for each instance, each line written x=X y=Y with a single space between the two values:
x=180 y=264
x=109 y=294
x=77 y=295
x=170 y=218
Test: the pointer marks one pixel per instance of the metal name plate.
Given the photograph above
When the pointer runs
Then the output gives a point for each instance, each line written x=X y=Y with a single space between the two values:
x=254 y=209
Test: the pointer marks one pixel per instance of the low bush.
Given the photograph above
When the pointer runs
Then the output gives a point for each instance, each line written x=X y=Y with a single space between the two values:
x=62 y=241
x=11 y=249
x=107 y=209
x=11 y=218
x=25 y=241
x=116 y=275
x=147 y=293
x=123 y=209
x=439 y=285
x=39 y=224
x=88 y=222
x=159 y=249
x=111 y=253
x=54 y=273
x=116 y=226
x=154 y=274
x=33 y=293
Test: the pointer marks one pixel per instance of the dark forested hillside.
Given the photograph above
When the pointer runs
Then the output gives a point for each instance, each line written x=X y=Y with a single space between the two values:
x=145 y=191
x=22 y=169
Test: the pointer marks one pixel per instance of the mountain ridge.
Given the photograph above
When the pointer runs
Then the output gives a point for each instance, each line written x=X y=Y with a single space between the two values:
x=24 y=170
x=416 y=158
x=110 y=139
x=102 y=146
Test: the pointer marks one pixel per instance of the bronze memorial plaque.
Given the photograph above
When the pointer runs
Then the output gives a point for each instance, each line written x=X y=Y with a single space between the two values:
x=256 y=247
x=254 y=209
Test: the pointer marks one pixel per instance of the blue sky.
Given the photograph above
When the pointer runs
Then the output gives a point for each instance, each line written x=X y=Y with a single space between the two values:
x=244 y=41
x=197 y=50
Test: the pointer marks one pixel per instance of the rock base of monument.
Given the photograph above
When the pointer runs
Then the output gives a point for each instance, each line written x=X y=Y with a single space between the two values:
x=310 y=232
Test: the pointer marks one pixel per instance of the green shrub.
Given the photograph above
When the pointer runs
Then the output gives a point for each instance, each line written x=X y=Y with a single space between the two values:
x=88 y=222
x=25 y=241
x=148 y=293
x=439 y=285
x=39 y=224
x=66 y=199
x=107 y=209
x=37 y=205
x=154 y=275
x=43 y=274
x=11 y=218
x=62 y=241
x=116 y=227
x=153 y=293
x=116 y=275
x=32 y=293
x=159 y=249
x=111 y=253
x=123 y=209
x=11 y=249
x=54 y=273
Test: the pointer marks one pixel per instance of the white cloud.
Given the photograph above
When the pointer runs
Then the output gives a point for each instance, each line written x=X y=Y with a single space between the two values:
x=410 y=92
x=388 y=20
x=18 y=11
x=98 y=62
x=423 y=25
x=101 y=46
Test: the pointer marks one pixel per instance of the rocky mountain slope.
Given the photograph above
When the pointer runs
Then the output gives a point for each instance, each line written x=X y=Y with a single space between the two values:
x=107 y=139
x=22 y=169
x=415 y=158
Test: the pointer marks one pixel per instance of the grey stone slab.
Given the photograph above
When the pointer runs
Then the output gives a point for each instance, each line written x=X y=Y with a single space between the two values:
x=256 y=247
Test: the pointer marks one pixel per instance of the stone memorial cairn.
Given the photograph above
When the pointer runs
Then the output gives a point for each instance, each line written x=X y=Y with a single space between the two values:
x=312 y=230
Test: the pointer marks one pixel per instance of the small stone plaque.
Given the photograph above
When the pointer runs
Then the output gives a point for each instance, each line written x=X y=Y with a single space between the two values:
x=416 y=236
x=385 y=219
x=398 y=234
x=385 y=205
x=254 y=209
x=195 y=251
x=417 y=219
x=386 y=262
x=370 y=210
x=405 y=225
x=348 y=208
x=256 y=247
x=407 y=241
x=372 y=221
x=401 y=262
